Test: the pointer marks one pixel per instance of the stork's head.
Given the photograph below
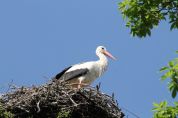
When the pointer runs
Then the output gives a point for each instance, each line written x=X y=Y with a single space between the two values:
x=102 y=50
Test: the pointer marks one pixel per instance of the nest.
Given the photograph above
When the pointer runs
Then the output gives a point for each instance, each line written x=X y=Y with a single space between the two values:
x=54 y=100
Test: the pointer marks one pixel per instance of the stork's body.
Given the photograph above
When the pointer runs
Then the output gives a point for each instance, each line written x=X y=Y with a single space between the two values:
x=83 y=74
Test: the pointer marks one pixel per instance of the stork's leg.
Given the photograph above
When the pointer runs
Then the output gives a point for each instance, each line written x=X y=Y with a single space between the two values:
x=84 y=84
x=79 y=85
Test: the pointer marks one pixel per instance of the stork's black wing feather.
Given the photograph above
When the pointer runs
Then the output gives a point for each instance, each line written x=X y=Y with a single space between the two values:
x=74 y=74
x=58 y=76
x=70 y=75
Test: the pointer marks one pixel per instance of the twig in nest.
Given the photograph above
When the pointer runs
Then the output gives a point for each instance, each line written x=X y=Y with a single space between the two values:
x=75 y=104
x=23 y=109
x=84 y=96
x=10 y=85
x=82 y=84
x=117 y=103
x=98 y=87
x=113 y=96
x=38 y=106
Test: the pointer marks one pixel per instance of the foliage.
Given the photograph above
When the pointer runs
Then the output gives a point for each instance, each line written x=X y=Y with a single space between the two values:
x=172 y=73
x=164 y=111
x=4 y=113
x=63 y=114
x=143 y=15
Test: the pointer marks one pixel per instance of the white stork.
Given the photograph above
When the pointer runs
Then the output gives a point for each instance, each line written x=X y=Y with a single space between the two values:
x=83 y=74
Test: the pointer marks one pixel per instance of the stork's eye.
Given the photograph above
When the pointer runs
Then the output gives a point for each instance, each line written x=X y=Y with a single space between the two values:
x=102 y=48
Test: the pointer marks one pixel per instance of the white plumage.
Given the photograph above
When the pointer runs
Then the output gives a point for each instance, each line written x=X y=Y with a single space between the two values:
x=83 y=74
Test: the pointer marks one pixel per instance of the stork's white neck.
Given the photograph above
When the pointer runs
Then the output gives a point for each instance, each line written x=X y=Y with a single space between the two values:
x=102 y=62
x=102 y=58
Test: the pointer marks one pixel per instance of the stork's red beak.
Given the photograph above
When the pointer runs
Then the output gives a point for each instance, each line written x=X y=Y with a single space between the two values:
x=109 y=55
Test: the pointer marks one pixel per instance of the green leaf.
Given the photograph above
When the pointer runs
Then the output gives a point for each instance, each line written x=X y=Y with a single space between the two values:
x=171 y=86
x=163 y=104
x=164 y=68
x=167 y=75
x=156 y=104
x=173 y=25
x=176 y=67
x=128 y=24
x=163 y=77
x=174 y=92
x=149 y=33
x=176 y=103
x=171 y=63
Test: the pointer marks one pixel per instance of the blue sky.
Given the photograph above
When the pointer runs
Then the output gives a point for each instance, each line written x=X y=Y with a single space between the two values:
x=38 y=38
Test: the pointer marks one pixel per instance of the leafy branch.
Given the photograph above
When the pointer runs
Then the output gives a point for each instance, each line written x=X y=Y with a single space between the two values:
x=143 y=15
x=4 y=113
x=172 y=73
x=162 y=110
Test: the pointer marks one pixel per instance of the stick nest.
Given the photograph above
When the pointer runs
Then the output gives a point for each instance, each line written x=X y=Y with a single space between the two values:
x=55 y=100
